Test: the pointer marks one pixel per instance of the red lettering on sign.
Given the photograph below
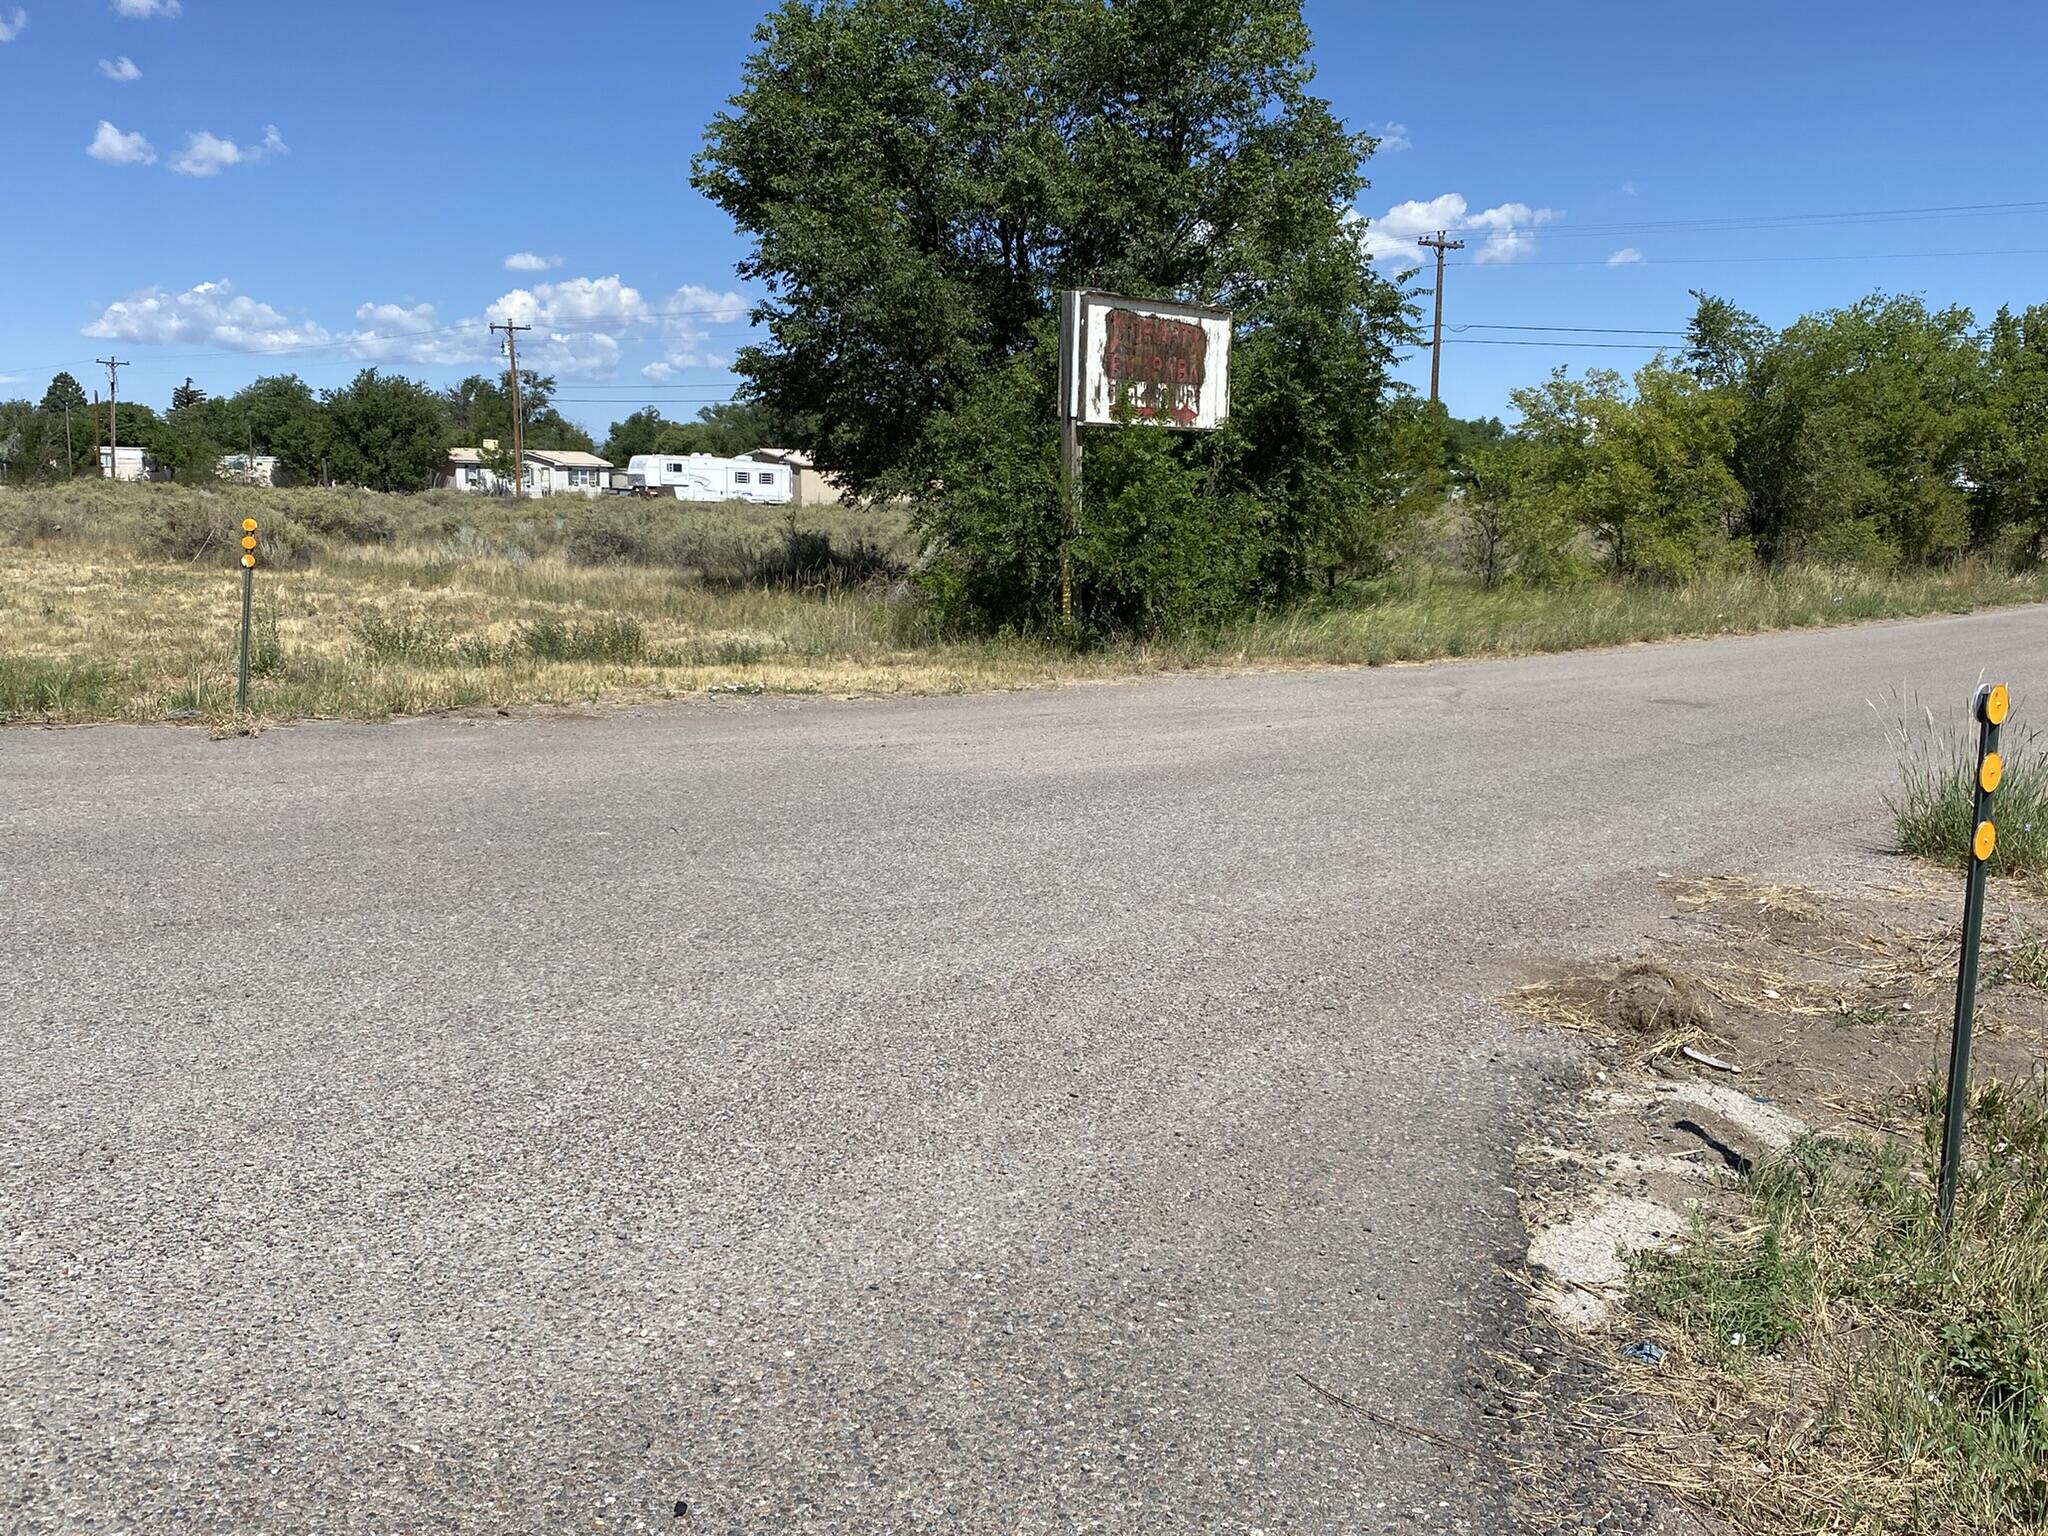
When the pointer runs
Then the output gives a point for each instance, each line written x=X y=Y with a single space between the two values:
x=1156 y=364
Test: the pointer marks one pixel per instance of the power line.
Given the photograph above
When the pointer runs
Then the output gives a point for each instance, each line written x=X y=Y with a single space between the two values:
x=1703 y=261
x=1591 y=330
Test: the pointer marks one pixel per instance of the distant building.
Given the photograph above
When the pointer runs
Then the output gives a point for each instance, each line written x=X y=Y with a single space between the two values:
x=811 y=486
x=566 y=472
x=250 y=469
x=549 y=472
x=466 y=471
x=125 y=463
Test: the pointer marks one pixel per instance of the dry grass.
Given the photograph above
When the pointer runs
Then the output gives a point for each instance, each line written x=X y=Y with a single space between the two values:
x=119 y=603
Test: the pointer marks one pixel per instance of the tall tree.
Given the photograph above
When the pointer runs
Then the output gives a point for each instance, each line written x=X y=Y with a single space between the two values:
x=186 y=394
x=920 y=177
x=65 y=393
x=386 y=432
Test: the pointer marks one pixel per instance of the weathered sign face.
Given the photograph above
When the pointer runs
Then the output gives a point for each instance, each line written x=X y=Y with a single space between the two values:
x=1148 y=363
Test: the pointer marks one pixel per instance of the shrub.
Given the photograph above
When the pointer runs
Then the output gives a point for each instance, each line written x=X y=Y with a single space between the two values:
x=412 y=638
x=350 y=517
x=612 y=531
x=614 y=639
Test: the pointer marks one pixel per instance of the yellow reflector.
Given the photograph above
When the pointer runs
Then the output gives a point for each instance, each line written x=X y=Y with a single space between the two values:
x=248 y=525
x=1991 y=773
x=1998 y=706
x=248 y=560
x=1987 y=840
x=248 y=541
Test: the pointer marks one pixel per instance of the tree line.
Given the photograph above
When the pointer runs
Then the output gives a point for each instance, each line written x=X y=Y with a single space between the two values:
x=1881 y=434
x=381 y=430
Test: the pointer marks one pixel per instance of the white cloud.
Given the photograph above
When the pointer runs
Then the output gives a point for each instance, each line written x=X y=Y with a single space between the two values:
x=577 y=323
x=1393 y=137
x=113 y=147
x=208 y=154
x=686 y=324
x=145 y=10
x=1628 y=255
x=661 y=373
x=401 y=333
x=1507 y=227
x=122 y=69
x=1628 y=189
x=12 y=24
x=527 y=261
x=211 y=313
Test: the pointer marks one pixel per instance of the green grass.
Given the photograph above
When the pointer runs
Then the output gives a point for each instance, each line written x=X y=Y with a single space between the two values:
x=119 y=603
x=1933 y=808
x=1922 y=1360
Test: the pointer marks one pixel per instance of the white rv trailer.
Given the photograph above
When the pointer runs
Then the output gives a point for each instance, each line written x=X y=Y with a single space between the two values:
x=706 y=477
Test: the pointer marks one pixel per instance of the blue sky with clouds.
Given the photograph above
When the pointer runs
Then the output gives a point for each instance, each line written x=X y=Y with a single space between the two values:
x=223 y=188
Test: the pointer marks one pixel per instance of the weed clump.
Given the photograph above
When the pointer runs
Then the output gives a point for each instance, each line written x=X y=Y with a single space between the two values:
x=1932 y=808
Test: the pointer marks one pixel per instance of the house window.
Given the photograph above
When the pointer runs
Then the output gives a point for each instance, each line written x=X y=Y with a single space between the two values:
x=473 y=478
x=739 y=477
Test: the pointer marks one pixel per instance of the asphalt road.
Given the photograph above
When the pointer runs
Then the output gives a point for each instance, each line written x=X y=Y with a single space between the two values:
x=968 y=1115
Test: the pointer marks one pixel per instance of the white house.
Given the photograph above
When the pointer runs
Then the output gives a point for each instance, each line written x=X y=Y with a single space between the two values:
x=706 y=477
x=566 y=472
x=125 y=463
x=250 y=469
x=549 y=472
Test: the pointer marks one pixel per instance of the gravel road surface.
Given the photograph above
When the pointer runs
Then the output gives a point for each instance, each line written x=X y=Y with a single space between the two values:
x=965 y=1115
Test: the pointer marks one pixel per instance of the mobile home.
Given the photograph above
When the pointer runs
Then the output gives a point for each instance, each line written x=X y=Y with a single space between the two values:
x=705 y=477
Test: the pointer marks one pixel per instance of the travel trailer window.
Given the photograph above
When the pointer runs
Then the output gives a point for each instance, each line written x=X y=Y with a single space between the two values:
x=739 y=477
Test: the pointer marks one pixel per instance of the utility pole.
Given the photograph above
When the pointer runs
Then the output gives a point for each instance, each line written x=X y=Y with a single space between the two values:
x=1438 y=242
x=518 y=417
x=70 y=458
x=114 y=365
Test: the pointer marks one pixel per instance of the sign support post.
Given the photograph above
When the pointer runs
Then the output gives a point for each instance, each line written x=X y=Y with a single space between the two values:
x=1070 y=448
x=248 y=597
x=1990 y=707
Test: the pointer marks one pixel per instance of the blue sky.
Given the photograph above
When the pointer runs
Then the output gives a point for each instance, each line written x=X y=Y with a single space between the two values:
x=223 y=188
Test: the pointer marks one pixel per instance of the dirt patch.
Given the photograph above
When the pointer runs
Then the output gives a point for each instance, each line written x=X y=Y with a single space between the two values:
x=1756 y=1010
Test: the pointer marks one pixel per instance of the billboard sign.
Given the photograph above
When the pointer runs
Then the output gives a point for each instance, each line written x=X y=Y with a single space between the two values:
x=1163 y=364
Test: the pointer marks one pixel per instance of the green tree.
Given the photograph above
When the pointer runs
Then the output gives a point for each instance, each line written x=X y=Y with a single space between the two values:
x=2009 y=460
x=1645 y=474
x=64 y=394
x=386 y=432
x=921 y=177
x=480 y=409
x=186 y=445
x=70 y=426
x=638 y=434
x=186 y=394
x=279 y=415
x=1856 y=432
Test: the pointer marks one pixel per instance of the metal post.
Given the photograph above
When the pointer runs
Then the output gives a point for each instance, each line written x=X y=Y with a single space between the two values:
x=1070 y=506
x=1071 y=343
x=248 y=594
x=1989 y=706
